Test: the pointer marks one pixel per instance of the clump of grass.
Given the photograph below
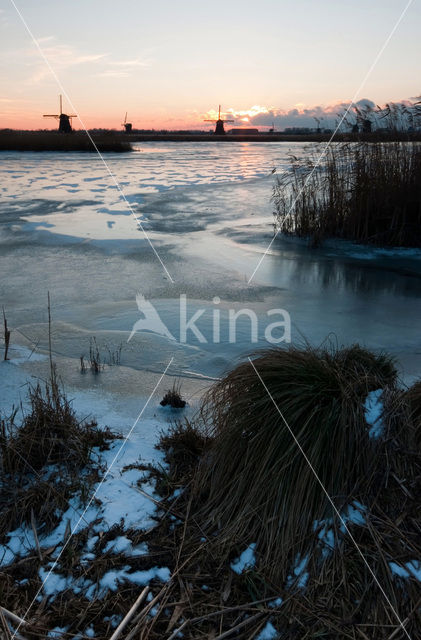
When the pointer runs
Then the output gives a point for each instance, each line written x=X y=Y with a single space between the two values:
x=369 y=192
x=183 y=445
x=46 y=458
x=49 y=434
x=173 y=398
x=256 y=482
x=95 y=357
x=97 y=360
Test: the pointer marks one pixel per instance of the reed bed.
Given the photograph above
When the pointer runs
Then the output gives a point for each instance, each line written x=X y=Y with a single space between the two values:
x=368 y=192
x=55 y=141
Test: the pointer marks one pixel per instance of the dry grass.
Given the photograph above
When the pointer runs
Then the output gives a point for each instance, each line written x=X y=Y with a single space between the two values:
x=49 y=434
x=46 y=459
x=183 y=445
x=6 y=335
x=414 y=400
x=369 y=192
x=341 y=600
x=321 y=392
x=255 y=472
x=99 y=357
x=173 y=398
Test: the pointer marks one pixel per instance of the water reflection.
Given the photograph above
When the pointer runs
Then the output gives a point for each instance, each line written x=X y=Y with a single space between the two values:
x=358 y=278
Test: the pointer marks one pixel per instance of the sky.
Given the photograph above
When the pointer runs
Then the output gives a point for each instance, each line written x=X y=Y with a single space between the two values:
x=170 y=63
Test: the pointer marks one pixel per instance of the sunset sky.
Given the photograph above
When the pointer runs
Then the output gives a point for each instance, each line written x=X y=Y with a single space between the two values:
x=169 y=63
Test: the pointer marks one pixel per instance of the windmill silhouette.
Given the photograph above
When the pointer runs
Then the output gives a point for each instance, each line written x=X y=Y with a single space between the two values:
x=127 y=125
x=65 y=121
x=219 y=129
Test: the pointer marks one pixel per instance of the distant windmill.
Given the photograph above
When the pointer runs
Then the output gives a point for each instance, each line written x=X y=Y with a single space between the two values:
x=127 y=125
x=219 y=129
x=65 y=121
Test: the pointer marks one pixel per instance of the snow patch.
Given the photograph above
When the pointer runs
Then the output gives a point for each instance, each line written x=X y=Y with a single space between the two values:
x=373 y=409
x=273 y=604
x=413 y=567
x=111 y=580
x=247 y=560
x=268 y=632
x=299 y=575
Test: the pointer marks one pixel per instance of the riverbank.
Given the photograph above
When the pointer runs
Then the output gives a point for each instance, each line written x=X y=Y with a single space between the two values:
x=117 y=141
x=264 y=136
x=55 y=141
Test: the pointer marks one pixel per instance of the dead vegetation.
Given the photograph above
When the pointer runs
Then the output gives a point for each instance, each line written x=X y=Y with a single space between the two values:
x=251 y=482
x=368 y=192
x=46 y=459
x=318 y=393
x=173 y=397
x=200 y=528
x=414 y=402
x=100 y=357
x=6 y=336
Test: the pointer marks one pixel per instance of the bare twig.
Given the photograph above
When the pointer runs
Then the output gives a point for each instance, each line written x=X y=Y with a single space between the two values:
x=5 y=626
x=129 y=614
x=240 y=625
x=34 y=529
x=6 y=336
x=13 y=618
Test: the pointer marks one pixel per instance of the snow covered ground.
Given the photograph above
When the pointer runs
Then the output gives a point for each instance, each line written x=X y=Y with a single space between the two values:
x=115 y=500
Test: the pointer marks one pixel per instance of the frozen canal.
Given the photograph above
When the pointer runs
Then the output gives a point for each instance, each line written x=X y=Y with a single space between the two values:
x=207 y=209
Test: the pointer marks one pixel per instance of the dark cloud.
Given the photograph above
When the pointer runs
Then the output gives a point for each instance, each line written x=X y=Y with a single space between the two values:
x=303 y=116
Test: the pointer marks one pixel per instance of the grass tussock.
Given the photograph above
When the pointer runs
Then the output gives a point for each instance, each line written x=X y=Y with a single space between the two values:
x=49 y=434
x=368 y=192
x=46 y=459
x=183 y=445
x=172 y=398
x=255 y=472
